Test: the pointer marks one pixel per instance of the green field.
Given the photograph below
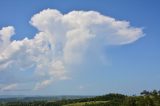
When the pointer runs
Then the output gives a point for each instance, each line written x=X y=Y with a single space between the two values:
x=86 y=103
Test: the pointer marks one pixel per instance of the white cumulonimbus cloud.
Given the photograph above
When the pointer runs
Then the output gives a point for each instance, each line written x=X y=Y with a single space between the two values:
x=62 y=40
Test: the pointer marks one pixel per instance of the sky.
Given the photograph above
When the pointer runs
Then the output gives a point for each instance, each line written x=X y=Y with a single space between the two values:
x=79 y=47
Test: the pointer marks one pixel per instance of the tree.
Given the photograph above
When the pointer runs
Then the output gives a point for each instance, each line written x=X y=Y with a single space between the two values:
x=159 y=92
x=154 y=93
x=145 y=92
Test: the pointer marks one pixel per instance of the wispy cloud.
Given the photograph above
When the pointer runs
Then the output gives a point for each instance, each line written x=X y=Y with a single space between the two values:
x=10 y=87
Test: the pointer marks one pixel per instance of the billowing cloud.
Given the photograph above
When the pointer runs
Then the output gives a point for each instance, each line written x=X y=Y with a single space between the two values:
x=62 y=40
x=5 y=35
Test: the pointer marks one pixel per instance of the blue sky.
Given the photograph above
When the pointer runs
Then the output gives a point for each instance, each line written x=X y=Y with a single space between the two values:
x=127 y=69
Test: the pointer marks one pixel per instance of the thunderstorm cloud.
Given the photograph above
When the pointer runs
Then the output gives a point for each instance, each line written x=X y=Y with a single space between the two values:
x=61 y=41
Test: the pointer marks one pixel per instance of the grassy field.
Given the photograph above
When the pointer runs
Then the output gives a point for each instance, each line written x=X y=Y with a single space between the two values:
x=84 y=103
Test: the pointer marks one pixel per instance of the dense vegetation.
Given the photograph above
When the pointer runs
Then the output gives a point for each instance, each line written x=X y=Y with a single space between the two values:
x=145 y=98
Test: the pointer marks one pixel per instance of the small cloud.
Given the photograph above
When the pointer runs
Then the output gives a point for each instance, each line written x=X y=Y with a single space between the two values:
x=81 y=87
x=42 y=84
x=10 y=87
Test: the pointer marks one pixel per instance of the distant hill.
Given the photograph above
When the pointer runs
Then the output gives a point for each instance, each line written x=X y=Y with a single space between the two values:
x=23 y=98
x=145 y=98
